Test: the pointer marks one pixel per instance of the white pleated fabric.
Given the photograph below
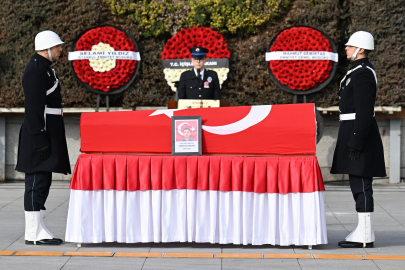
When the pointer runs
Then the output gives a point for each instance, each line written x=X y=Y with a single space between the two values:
x=196 y=216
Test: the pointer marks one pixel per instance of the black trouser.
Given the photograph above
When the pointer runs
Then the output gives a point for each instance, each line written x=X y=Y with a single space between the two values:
x=362 y=190
x=37 y=187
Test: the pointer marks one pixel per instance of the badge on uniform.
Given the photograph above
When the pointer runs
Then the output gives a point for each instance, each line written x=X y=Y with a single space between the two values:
x=209 y=79
x=347 y=81
x=206 y=85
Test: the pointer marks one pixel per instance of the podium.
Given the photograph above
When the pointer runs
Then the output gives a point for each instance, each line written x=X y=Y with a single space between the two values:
x=206 y=103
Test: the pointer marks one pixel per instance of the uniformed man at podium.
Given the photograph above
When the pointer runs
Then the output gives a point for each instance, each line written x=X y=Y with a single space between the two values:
x=199 y=83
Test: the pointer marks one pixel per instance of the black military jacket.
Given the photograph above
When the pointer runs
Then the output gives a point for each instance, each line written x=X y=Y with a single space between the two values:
x=357 y=94
x=34 y=133
x=190 y=88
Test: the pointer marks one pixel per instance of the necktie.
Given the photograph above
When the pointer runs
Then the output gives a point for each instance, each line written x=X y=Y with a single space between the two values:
x=199 y=77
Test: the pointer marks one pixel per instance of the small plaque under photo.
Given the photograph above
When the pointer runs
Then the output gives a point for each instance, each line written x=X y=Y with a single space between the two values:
x=197 y=103
x=186 y=135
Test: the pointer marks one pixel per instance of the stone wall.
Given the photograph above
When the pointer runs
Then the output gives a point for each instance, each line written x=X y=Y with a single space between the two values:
x=324 y=153
x=13 y=125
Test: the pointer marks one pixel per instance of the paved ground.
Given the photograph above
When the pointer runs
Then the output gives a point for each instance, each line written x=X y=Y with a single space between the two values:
x=341 y=218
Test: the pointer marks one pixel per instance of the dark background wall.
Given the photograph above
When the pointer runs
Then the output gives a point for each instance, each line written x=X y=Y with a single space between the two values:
x=248 y=81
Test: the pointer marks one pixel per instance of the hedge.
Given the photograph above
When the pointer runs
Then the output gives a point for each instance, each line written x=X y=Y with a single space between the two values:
x=248 y=82
x=161 y=17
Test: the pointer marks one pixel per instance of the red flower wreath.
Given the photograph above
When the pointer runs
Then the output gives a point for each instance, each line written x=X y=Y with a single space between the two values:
x=178 y=46
x=114 y=78
x=301 y=74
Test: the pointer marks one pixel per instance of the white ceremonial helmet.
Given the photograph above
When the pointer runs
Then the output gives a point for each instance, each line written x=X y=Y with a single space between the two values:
x=361 y=40
x=46 y=39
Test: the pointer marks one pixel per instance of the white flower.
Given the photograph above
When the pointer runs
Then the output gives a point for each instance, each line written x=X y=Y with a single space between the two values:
x=102 y=65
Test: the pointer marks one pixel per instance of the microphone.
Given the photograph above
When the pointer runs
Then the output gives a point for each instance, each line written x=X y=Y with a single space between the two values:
x=176 y=83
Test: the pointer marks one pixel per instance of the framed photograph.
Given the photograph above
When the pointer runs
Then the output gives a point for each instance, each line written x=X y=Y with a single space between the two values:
x=186 y=135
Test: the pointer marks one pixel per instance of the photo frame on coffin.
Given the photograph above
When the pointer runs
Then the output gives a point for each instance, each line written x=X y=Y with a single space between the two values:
x=186 y=135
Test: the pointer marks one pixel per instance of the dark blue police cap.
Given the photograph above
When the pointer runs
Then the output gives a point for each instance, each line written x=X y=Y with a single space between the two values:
x=198 y=52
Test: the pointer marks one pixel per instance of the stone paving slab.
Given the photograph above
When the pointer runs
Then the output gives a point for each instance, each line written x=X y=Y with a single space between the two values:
x=104 y=263
x=181 y=263
x=32 y=263
x=389 y=265
x=243 y=264
x=337 y=264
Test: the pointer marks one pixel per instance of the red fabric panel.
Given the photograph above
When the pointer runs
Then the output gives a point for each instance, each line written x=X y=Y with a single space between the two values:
x=215 y=164
x=318 y=181
x=133 y=173
x=308 y=173
x=203 y=173
x=192 y=165
x=272 y=175
x=144 y=173
x=225 y=173
x=168 y=173
x=82 y=172
x=295 y=174
x=225 y=180
x=180 y=166
x=237 y=174
x=260 y=175
x=156 y=172
x=283 y=178
x=121 y=172
x=287 y=129
x=96 y=172
x=248 y=174
x=109 y=172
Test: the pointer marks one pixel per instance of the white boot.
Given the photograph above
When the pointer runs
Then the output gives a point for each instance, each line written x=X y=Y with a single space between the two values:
x=33 y=227
x=364 y=232
x=43 y=224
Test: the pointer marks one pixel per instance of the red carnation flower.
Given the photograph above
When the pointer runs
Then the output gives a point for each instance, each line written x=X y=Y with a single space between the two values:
x=178 y=46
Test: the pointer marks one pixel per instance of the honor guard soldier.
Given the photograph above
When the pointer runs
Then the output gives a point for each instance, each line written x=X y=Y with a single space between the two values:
x=199 y=83
x=359 y=150
x=42 y=146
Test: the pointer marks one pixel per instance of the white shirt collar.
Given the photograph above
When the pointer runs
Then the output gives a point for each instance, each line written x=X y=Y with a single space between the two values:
x=201 y=72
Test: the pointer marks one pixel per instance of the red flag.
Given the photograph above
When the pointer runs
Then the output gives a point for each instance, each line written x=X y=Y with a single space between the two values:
x=248 y=130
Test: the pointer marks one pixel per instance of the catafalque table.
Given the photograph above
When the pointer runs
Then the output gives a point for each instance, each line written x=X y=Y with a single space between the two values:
x=231 y=198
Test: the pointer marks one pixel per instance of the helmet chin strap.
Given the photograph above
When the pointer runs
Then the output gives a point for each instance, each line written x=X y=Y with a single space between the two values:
x=353 y=57
x=50 y=55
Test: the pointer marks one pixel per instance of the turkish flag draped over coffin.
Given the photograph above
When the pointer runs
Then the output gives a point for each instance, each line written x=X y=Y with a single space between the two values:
x=253 y=130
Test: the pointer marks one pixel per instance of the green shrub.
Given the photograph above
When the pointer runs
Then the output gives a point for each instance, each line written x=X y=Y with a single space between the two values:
x=233 y=15
x=162 y=17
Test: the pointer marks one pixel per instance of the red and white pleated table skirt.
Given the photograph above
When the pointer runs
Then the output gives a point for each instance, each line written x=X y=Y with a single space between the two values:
x=215 y=199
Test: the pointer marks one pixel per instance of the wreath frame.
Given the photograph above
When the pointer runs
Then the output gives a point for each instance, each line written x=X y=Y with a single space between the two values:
x=115 y=90
x=316 y=88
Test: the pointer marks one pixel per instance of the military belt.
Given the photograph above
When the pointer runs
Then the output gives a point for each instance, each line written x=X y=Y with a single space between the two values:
x=348 y=116
x=58 y=111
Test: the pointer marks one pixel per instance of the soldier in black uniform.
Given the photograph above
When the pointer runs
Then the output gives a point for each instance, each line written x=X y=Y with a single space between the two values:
x=199 y=83
x=359 y=150
x=42 y=143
